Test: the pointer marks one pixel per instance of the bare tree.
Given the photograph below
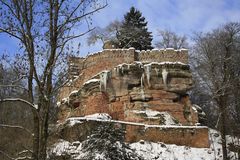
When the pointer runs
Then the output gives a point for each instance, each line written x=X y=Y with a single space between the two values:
x=169 y=39
x=13 y=118
x=44 y=30
x=107 y=33
x=215 y=54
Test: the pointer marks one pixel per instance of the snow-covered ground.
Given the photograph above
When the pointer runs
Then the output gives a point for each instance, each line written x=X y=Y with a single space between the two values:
x=156 y=151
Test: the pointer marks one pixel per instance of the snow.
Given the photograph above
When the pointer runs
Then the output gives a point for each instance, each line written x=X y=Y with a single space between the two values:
x=194 y=109
x=70 y=82
x=120 y=66
x=161 y=151
x=73 y=93
x=65 y=100
x=169 y=120
x=58 y=104
x=60 y=147
x=118 y=49
x=104 y=117
x=167 y=62
x=72 y=122
x=183 y=49
x=154 y=150
x=91 y=81
x=167 y=49
x=74 y=149
x=148 y=112
x=35 y=106
x=138 y=62
x=95 y=117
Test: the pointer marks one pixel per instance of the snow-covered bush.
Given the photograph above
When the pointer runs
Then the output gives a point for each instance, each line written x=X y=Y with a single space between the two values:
x=106 y=143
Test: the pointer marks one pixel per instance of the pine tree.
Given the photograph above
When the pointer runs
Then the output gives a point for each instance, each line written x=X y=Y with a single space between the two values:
x=107 y=140
x=134 y=31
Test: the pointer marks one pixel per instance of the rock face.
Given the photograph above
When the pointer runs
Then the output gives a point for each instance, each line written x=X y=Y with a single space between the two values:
x=151 y=91
x=137 y=92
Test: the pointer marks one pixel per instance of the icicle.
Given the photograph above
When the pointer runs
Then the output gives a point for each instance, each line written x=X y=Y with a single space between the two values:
x=128 y=66
x=142 y=94
x=142 y=91
x=164 y=75
x=157 y=71
x=142 y=78
x=148 y=72
x=103 y=79
x=117 y=69
x=122 y=69
x=139 y=64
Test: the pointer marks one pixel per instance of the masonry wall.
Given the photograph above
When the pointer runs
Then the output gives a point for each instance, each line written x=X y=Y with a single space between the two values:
x=82 y=69
x=109 y=58
x=162 y=55
x=106 y=60
x=188 y=136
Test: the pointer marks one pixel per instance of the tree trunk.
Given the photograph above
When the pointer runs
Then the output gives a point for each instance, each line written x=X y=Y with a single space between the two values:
x=222 y=104
x=45 y=105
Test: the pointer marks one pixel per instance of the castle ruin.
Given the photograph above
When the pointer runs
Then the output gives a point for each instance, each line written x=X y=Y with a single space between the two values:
x=144 y=91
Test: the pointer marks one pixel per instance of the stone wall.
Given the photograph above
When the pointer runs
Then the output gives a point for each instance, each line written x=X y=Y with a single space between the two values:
x=192 y=136
x=137 y=89
x=109 y=58
x=82 y=69
x=162 y=55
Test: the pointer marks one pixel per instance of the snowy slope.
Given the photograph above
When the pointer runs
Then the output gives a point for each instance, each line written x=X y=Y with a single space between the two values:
x=156 y=151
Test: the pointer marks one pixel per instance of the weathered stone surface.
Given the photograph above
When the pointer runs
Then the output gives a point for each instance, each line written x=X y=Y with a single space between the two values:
x=110 y=58
x=128 y=85
x=189 y=136
x=195 y=137
x=145 y=92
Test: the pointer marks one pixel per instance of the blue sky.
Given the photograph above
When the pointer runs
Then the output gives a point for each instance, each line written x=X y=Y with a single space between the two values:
x=181 y=16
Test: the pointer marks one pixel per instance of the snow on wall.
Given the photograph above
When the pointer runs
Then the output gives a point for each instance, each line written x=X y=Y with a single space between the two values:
x=94 y=118
x=91 y=81
x=168 y=119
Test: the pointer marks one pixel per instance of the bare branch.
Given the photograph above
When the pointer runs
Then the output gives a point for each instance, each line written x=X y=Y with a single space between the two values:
x=69 y=20
x=18 y=127
x=13 y=86
x=32 y=106
x=11 y=34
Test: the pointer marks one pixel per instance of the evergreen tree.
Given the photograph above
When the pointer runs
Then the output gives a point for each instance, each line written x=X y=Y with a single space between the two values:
x=134 y=31
x=107 y=140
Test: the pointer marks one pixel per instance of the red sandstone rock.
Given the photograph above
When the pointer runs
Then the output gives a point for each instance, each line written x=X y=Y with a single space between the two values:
x=135 y=92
